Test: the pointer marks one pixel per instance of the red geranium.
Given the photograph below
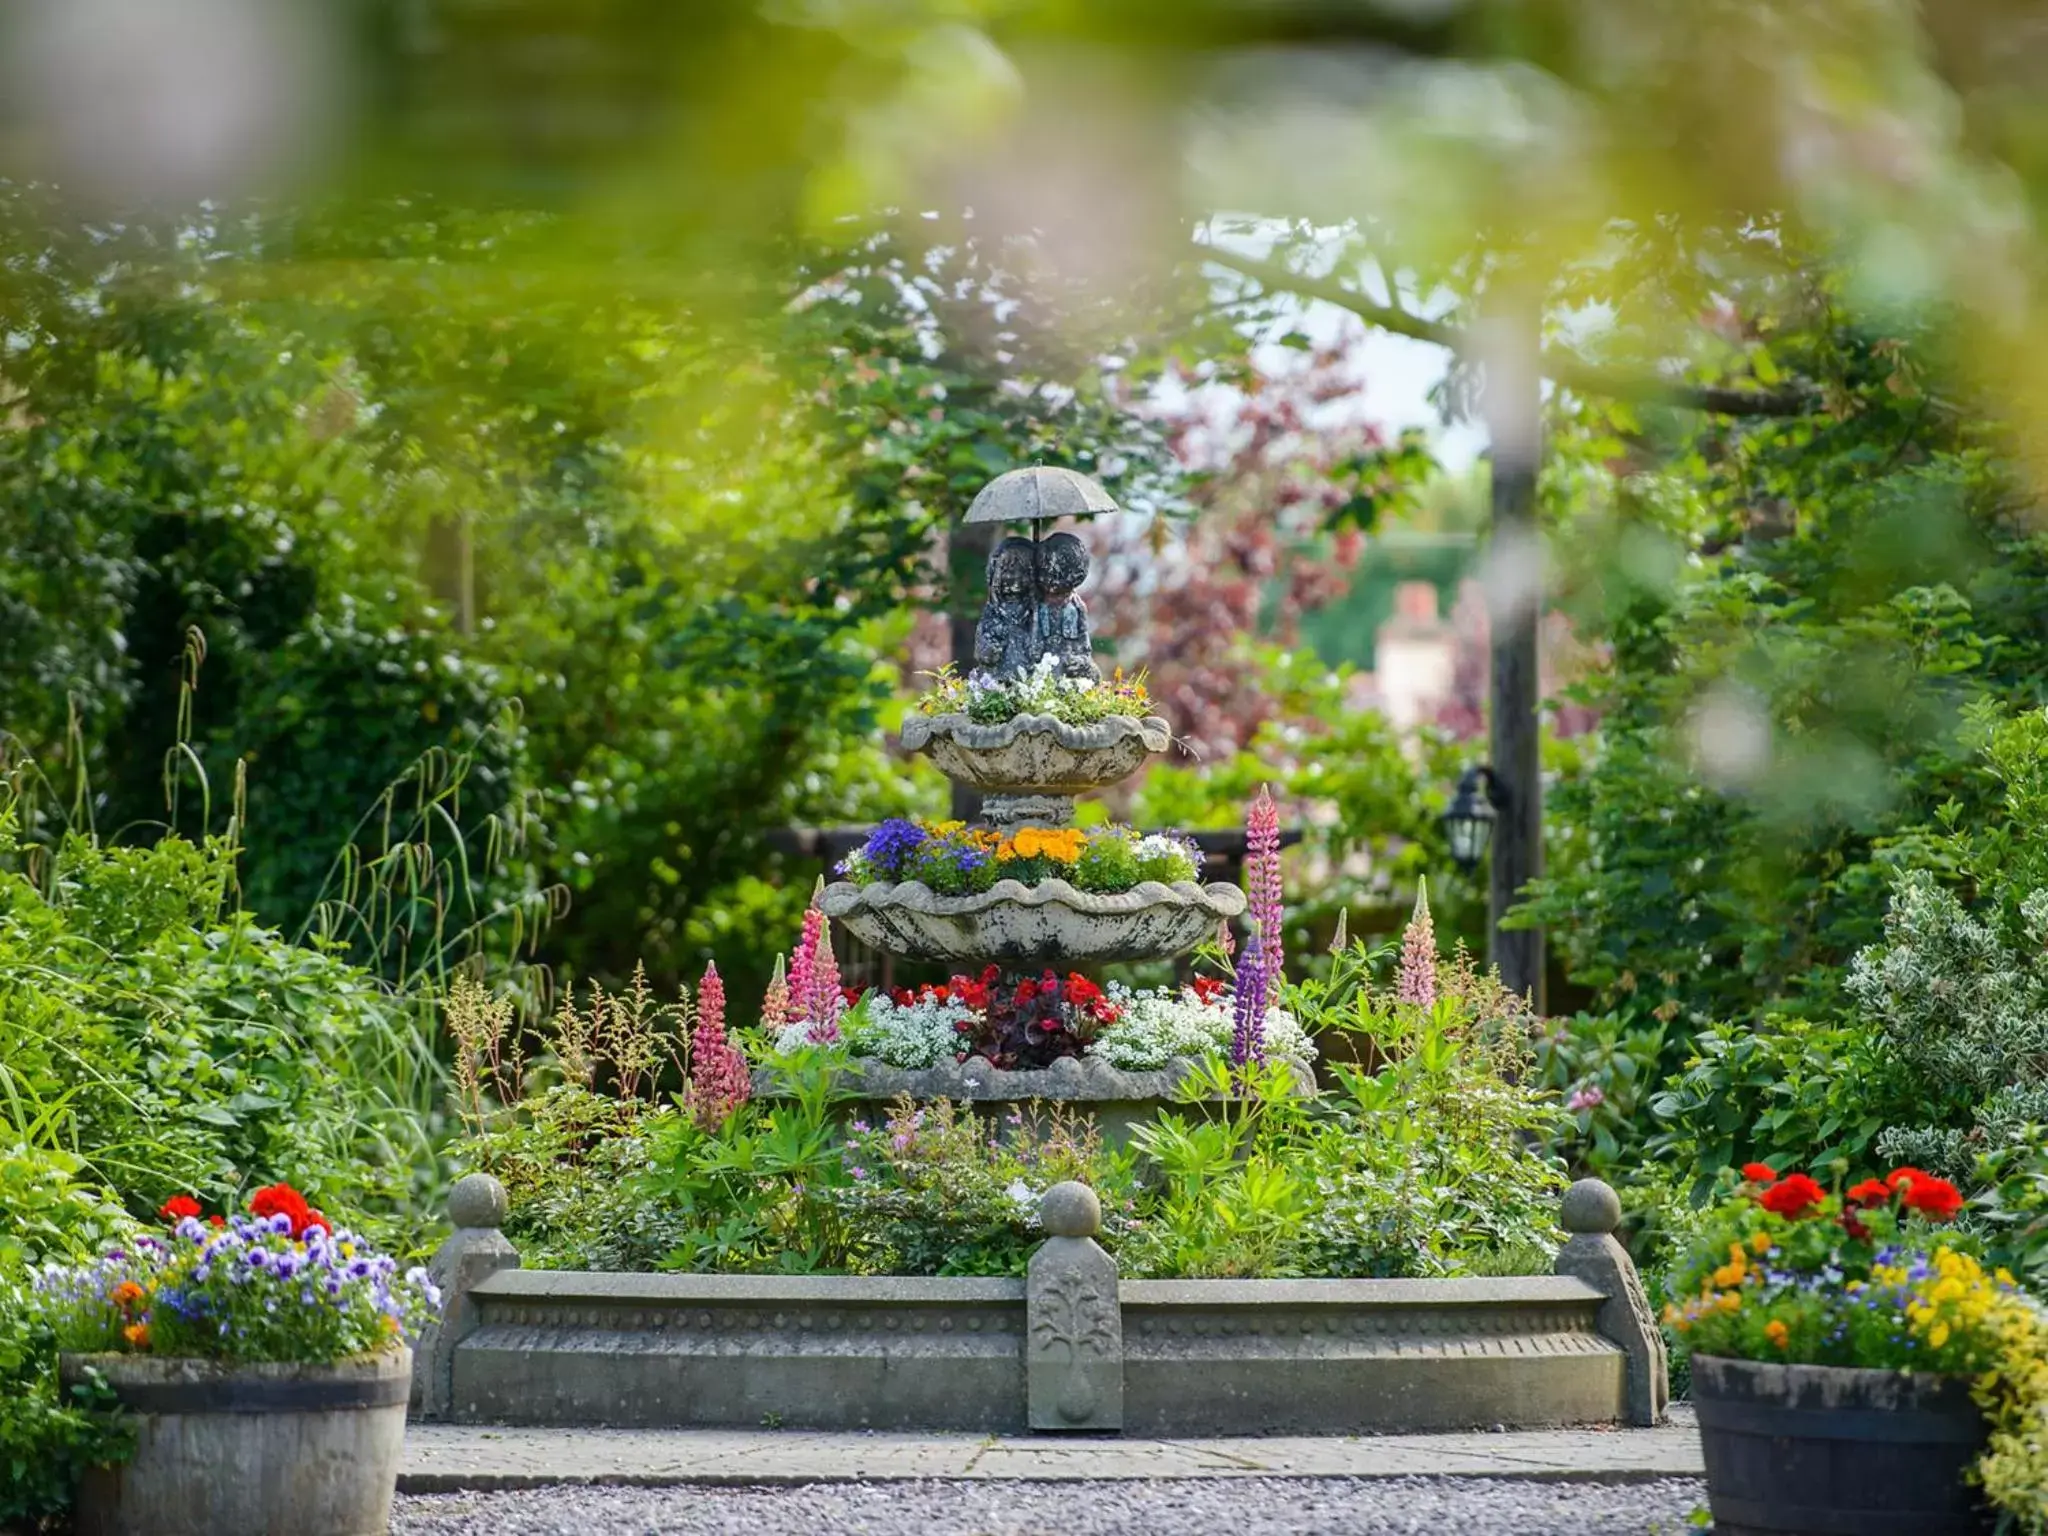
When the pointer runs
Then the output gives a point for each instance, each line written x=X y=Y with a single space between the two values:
x=283 y=1200
x=1760 y=1173
x=1870 y=1192
x=1081 y=991
x=177 y=1208
x=1792 y=1195
x=1930 y=1196
x=1206 y=988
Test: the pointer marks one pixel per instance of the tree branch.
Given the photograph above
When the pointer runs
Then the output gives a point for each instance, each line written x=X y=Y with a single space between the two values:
x=1561 y=367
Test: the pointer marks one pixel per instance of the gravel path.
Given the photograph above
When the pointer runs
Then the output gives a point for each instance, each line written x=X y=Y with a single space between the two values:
x=1190 y=1507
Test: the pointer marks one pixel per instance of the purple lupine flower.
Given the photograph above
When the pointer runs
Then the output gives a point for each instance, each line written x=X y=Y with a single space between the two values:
x=1248 y=1039
x=1415 y=982
x=1262 y=878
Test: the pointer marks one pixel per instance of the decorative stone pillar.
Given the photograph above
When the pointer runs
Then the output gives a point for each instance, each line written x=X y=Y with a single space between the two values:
x=1592 y=1212
x=476 y=1251
x=1074 y=1332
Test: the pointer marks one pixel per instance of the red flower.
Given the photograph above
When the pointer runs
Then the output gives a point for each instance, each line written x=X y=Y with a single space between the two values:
x=1899 y=1177
x=1853 y=1225
x=1870 y=1192
x=1760 y=1173
x=177 y=1208
x=1931 y=1197
x=1081 y=991
x=1792 y=1195
x=1206 y=988
x=1026 y=990
x=218 y=1221
x=283 y=1200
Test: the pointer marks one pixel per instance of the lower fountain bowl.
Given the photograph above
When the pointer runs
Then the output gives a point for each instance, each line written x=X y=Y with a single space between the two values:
x=1014 y=924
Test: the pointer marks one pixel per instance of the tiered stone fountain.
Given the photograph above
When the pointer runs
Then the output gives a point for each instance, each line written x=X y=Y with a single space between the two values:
x=1029 y=769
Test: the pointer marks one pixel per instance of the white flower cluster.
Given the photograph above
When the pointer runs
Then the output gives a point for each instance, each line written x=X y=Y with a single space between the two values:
x=1157 y=845
x=1155 y=1027
x=1035 y=692
x=908 y=1035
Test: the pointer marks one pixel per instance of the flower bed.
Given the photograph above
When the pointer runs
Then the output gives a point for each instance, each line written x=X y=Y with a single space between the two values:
x=1039 y=1019
x=951 y=858
x=988 y=700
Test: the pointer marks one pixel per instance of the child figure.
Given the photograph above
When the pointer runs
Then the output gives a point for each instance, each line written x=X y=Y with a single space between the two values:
x=1003 y=640
x=1062 y=618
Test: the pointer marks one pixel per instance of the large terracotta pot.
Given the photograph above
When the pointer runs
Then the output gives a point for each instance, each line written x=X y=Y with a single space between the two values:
x=1817 y=1450
x=311 y=1450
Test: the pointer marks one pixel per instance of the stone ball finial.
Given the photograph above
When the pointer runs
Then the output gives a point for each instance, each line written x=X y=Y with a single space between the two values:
x=1070 y=1210
x=1591 y=1205
x=477 y=1200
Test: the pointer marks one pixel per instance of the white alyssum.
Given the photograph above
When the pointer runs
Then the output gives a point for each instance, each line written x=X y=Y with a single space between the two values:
x=1165 y=1023
x=912 y=1036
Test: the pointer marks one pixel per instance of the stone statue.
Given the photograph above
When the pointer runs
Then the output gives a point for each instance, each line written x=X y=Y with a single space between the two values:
x=1062 y=618
x=1004 y=640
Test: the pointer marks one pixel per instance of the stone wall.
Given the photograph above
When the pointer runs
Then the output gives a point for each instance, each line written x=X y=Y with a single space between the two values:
x=1070 y=1347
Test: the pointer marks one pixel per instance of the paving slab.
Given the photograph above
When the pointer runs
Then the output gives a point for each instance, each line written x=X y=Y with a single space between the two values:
x=442 y=1458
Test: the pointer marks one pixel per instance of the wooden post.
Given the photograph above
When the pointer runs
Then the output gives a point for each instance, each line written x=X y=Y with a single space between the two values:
x=967 y=551
x=1514 y=614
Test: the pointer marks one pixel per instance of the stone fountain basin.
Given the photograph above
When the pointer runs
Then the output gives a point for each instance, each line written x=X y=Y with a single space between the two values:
x=1036 y=754
x=1017 y=924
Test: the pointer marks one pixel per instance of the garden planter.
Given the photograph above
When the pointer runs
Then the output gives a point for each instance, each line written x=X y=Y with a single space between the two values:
x=1036 y=754
x=307 y=1449
x=1812 y=1449
x=1014 y=924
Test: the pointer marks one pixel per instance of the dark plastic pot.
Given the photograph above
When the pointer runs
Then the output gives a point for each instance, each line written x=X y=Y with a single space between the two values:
x=1818 y=1450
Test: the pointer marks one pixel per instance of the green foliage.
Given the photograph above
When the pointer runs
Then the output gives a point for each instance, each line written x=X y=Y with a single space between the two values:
x=169 y=1043
x=761 y=1192
x=941 y=1195
x=1376 y=796
x=1790 y=1092
x=2012 y=1175
x=1424 y=1163
x=47 y=1212
x=47 y=1439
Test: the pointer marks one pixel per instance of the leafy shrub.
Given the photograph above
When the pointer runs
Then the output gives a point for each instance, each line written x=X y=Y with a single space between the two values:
x=941 y=1195
x=1965 y=1011
x=178 y=1045
x=1789 y=1090
x=47 y=1214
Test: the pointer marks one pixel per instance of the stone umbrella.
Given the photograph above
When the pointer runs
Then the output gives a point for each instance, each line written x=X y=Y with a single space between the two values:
x=1037 y=494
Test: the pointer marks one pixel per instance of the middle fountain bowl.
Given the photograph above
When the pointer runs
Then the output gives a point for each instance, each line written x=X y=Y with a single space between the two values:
x=1017 y=925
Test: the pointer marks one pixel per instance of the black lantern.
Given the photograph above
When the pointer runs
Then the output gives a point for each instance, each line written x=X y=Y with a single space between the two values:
x=1468 y=822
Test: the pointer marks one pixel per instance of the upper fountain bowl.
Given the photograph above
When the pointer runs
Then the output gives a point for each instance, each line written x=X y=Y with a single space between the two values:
x=1036 y=754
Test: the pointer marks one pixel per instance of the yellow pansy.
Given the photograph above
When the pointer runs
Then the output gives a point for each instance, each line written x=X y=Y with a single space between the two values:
x=1761 y=1242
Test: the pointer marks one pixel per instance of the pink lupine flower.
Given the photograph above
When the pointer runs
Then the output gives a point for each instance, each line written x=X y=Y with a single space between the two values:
x=1262 y=878
x=1415 y=982
x=719 y=1079
x=775 y=1006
